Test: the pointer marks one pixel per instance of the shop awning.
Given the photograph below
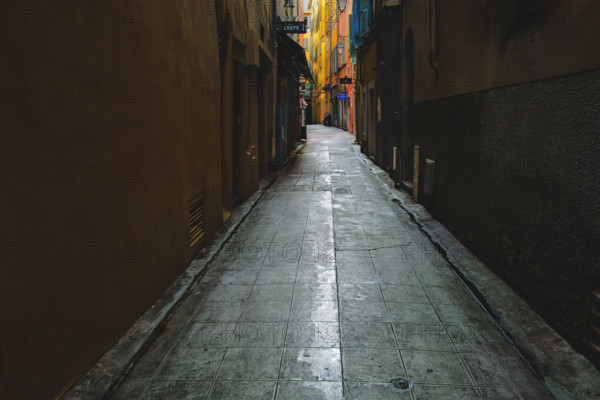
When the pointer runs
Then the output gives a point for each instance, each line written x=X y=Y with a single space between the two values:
x=292 y=56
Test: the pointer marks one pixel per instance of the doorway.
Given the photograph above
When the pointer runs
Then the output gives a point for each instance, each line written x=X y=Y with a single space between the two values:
x=408 y=120
x=371 y=116
x=238 y=133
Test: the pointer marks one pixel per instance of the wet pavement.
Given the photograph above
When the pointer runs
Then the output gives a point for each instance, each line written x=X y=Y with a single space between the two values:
x=328 y=290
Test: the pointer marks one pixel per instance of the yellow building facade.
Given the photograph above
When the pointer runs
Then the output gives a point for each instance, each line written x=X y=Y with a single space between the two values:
x=322 y=45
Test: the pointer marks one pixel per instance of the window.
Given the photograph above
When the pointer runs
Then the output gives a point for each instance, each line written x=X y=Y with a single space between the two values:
x=362 y=17
x=342 y=58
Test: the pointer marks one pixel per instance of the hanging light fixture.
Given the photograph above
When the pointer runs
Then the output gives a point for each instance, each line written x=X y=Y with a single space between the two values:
x=342 y=5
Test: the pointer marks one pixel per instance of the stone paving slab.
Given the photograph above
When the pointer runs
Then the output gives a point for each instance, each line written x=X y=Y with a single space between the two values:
x=565 y=372
x=321 y=294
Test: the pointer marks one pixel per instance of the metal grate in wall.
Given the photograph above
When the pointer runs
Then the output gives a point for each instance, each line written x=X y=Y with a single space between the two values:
x=592 y=335
x=196 y=220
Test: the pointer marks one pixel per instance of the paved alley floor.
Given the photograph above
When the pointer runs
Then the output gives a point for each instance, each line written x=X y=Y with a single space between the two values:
x=328 y=291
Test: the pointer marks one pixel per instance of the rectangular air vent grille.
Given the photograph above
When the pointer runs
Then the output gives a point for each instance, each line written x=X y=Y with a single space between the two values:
x=592 y=335
x=196 y=220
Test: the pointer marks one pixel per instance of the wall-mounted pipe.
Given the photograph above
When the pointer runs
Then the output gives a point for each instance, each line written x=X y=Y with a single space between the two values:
x=274 y=92
x=274 y=11
x=434 y=60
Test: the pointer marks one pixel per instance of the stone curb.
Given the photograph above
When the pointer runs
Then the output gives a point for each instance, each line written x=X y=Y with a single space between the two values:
x=105 y=375
x=566 y=373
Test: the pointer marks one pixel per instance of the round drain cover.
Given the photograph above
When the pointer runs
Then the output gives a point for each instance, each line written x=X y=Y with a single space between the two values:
x=402 y=383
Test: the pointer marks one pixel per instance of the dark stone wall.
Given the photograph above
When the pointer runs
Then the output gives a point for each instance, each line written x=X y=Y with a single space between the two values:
x=518 y=181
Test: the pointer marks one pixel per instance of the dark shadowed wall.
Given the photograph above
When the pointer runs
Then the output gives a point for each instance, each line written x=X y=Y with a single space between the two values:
x=110 y=130
x=512 y=120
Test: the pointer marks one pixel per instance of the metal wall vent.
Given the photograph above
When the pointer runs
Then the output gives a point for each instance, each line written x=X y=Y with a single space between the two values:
x=592 y=334
x=196 y=220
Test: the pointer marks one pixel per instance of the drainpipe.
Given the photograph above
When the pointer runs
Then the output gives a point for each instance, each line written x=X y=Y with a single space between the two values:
x=274 y=99
x=274 y=23
x=434 y=60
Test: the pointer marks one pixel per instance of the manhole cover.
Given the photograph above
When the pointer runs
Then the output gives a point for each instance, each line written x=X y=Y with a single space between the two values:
x=402 y=383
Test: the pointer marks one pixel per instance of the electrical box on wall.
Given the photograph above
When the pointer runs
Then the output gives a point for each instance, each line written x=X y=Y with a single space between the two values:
x=429 y=177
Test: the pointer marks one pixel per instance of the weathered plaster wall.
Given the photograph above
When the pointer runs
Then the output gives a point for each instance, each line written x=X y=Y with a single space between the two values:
x=244 y=55
x=517 y=182
x=512 y=123
x=492 y=43
x=110 y=125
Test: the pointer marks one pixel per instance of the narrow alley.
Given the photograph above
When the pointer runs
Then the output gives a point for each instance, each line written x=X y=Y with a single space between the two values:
x=304 y=199
x=319 y=294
